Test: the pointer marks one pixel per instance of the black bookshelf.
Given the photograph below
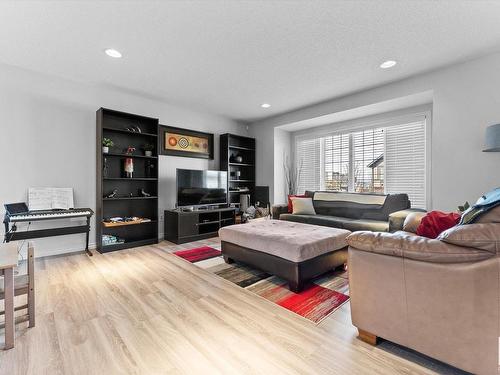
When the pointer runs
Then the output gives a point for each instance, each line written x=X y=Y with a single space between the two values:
x=128 y=202
x=232 y=146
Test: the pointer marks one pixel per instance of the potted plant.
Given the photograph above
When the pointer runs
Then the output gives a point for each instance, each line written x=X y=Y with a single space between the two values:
x=148 y=149
x=106 y=144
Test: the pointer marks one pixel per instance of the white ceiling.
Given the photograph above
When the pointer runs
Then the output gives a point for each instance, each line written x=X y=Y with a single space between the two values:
x=228 y=57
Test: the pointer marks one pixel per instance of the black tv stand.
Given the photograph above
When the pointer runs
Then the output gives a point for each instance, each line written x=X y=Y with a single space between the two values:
x=187 y=226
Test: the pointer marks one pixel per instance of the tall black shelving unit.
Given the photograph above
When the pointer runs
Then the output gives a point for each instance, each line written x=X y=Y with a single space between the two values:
x=128 y=202
x=241 y=173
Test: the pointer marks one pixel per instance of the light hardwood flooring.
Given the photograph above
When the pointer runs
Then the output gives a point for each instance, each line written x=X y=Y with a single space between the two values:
x=145 y=311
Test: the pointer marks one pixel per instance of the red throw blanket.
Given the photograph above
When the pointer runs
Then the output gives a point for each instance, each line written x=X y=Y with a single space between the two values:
x=436 y=222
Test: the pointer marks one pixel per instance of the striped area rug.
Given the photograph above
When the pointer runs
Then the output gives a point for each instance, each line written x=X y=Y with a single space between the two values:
x=319 y=299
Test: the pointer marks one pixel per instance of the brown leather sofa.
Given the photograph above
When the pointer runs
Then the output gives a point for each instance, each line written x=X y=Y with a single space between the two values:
x=439 y=296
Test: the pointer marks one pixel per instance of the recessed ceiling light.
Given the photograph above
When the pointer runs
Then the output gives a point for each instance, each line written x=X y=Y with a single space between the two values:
x=388 y=64
x=113 y=53
x=265 y=105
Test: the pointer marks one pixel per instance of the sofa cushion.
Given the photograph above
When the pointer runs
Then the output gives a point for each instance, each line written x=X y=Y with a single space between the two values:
x=491 y=216
x=290 y=196
x=358 y=205
x=324 y=220
x=393 y=203
x=338 y=222
x=411 y=246
x=302 y=206
x=412 y=221
x=350 y=205
x=479 y=236
x=365 y=224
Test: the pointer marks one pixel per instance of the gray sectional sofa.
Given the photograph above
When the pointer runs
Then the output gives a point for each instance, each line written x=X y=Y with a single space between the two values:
x=353 y=211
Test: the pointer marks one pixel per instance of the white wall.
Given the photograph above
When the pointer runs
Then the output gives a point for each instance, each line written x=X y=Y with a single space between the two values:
x=47 y=138
x=465 y=100
x=282 y=150
x=264 y=156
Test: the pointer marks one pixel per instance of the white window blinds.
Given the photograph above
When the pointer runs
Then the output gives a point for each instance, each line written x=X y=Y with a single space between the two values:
x=405 y=162
x=307 y=161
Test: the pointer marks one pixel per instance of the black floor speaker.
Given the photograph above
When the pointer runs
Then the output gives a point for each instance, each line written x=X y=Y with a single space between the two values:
x=262 y=195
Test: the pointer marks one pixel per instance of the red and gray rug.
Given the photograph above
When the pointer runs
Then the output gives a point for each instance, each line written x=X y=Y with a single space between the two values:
x=319 y=299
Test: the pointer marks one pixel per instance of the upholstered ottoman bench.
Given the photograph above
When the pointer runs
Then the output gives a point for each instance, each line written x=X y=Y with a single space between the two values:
x=293 y=251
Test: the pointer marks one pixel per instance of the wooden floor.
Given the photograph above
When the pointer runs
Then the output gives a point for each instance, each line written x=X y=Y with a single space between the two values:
x=145 y=311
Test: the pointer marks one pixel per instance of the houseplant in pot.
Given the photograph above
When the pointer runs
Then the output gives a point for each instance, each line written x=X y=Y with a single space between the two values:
x=148 y=149
x=106 y=144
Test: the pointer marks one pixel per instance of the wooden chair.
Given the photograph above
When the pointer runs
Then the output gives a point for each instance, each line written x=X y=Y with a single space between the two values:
x=24 y=284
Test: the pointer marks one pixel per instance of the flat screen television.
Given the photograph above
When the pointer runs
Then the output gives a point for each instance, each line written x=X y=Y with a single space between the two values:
x=201 y=188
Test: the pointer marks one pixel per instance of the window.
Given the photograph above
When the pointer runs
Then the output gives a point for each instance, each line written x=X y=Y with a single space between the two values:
x=384 y=159
x=369 y=161
x=336 y=175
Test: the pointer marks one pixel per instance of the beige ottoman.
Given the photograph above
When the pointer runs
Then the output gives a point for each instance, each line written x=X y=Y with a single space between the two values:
x=293 y=251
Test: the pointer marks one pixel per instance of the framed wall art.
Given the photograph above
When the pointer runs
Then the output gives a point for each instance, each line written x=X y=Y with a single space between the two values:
x=184 y=142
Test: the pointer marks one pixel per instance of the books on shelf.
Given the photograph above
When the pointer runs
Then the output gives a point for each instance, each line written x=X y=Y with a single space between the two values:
x=119 y=221
x=111 y=240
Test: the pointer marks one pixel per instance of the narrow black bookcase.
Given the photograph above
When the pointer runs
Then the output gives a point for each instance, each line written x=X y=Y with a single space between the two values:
x=237 y=157
x=126 y=131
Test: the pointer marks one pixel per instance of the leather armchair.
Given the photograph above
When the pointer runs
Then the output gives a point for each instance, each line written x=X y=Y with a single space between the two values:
x=438 y=296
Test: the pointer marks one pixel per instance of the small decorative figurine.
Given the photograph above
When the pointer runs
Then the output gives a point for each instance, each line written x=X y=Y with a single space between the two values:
x=128 y=165
x=105 y=169
x=134 y=129
x=150 y=169
x=113 y=194
x=142 y=193
x=130 y=150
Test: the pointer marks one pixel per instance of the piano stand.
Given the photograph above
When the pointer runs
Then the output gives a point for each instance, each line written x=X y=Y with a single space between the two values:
x=14 y=235
x=89 y=253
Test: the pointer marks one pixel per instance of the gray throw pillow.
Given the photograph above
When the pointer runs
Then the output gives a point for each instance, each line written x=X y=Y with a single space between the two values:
x=303 y=206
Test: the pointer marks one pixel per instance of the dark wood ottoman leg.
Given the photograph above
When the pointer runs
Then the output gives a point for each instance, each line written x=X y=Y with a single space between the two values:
x=227 y=259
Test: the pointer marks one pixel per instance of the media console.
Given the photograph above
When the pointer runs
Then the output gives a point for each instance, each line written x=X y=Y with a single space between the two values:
x=187 y=226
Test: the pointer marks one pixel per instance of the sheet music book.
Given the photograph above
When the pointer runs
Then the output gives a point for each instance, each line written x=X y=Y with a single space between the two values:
x=50 y=199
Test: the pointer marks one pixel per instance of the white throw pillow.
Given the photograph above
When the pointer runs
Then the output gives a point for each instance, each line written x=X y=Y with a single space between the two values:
x=303 y=206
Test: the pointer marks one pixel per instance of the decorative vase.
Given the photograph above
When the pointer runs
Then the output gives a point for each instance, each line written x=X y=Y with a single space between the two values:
x=148 y=153
x=150 y=169
x=239 y=159
x=105 y=149
x=105 y=169
x=244 y=202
